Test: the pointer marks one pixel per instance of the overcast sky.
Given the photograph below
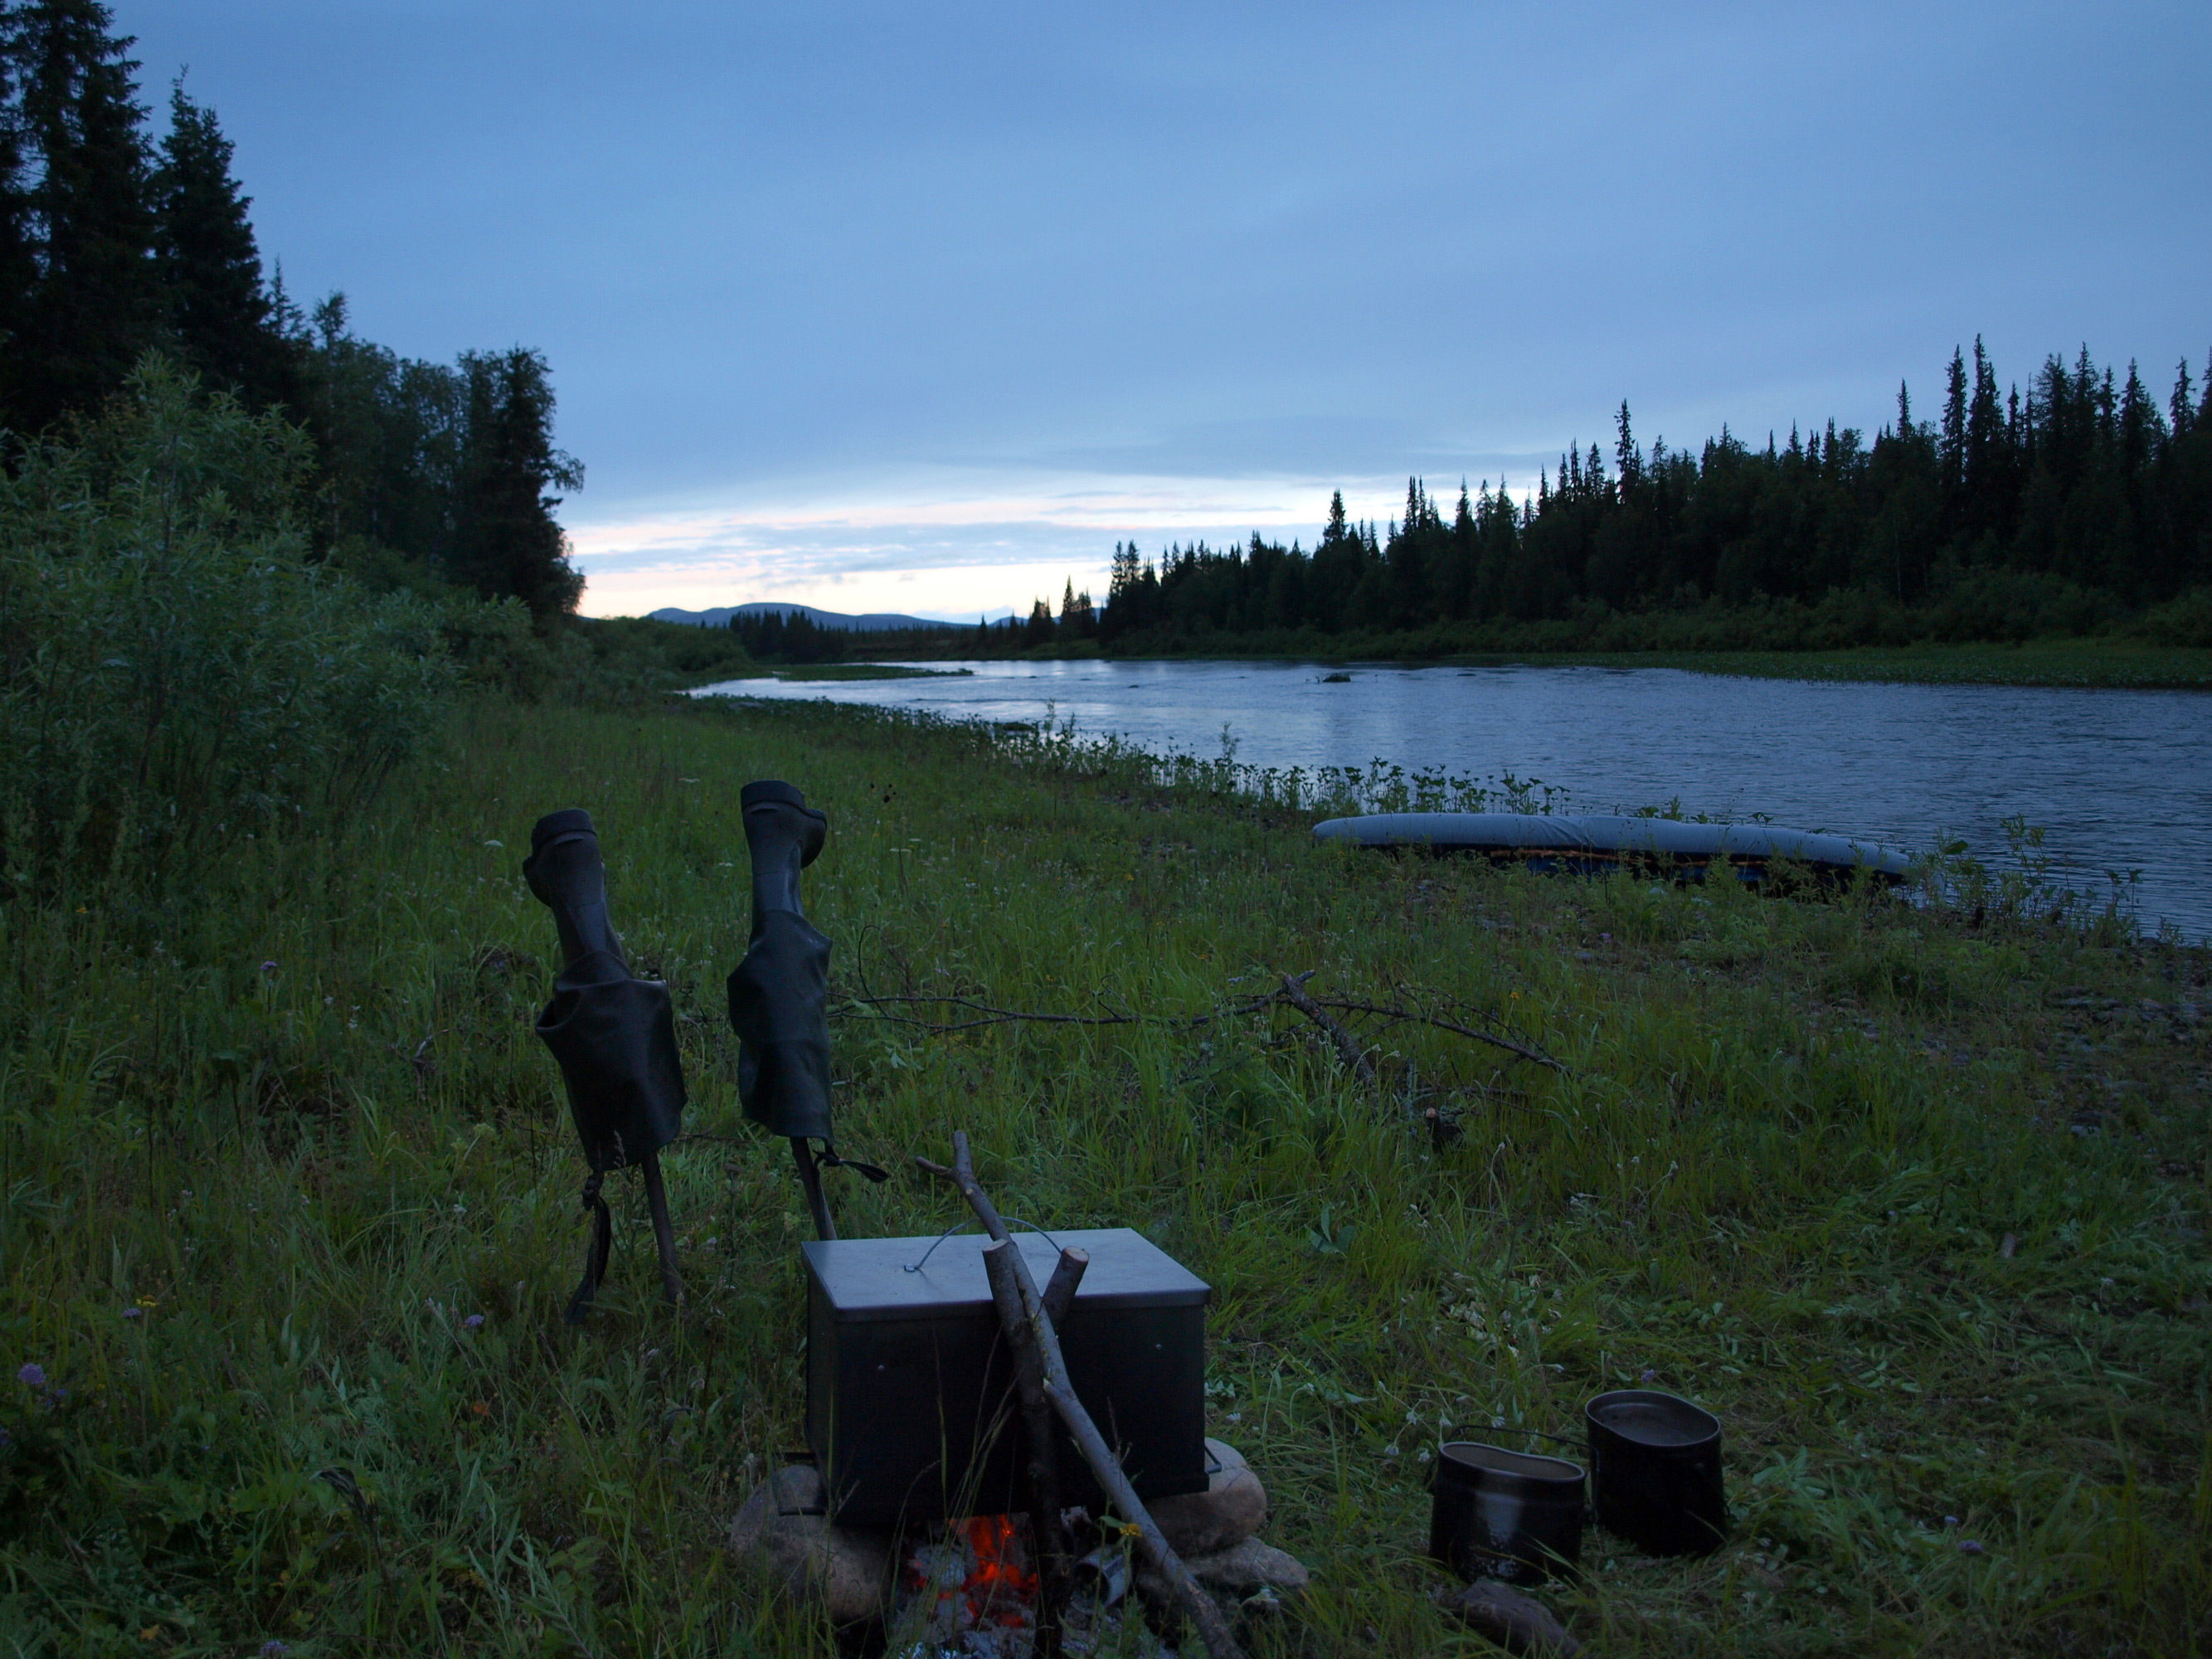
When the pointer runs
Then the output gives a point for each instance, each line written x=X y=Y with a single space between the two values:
x=923 y=307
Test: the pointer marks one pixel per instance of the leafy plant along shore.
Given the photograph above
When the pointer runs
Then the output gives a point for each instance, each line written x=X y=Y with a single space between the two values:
x=1912 y=1196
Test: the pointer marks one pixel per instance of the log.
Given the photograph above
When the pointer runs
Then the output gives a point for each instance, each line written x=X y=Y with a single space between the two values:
x=1060 y=1291
x=1197 y=1605
x=1056 y=1560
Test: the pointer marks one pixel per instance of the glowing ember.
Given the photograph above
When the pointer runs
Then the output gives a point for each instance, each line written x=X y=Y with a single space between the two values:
x=1000 y=1589
x=973 y=1589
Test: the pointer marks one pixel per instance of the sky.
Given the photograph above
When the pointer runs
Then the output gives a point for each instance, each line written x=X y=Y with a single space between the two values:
x=923 y=308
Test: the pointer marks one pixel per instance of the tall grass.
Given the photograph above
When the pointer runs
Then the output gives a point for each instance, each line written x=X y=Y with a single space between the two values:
x=270 y=1151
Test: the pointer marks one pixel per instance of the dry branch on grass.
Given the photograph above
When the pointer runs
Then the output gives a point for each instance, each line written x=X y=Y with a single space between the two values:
x=1291 y=992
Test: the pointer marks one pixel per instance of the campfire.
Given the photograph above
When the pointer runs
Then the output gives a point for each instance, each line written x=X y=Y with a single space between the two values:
x=968 y=1587
x=938 y=1374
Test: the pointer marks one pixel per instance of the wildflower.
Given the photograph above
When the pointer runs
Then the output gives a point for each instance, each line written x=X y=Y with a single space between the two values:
x=33 y=1376
x=474 y=1322
x=1648 y=1375
x=275 y=1650
x=269 y=967
x=134 y=1313
x=1950 y=1520
x=1969 y=1547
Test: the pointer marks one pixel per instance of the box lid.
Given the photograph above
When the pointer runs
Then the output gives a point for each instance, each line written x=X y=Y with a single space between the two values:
x=867 y=1278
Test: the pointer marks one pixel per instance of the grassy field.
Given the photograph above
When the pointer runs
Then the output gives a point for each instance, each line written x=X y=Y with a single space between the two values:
x=290 y=1188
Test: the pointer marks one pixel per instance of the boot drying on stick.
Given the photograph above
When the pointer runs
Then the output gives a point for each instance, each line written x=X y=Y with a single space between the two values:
x=615 y=1038
x=780 y=993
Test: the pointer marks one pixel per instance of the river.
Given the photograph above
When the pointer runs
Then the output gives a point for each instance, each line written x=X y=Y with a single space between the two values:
x=2121 y=781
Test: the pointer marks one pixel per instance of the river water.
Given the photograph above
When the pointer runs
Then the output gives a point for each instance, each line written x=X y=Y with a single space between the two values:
x=2121 y=781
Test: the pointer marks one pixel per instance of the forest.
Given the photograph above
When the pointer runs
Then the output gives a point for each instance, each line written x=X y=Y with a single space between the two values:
x=116 y=244
x=2069 y=509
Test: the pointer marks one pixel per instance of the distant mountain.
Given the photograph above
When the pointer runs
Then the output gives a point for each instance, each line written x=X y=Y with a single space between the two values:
x=876 y=622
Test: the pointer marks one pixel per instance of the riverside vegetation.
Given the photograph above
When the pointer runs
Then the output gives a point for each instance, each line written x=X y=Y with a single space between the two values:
x=1913 y=1196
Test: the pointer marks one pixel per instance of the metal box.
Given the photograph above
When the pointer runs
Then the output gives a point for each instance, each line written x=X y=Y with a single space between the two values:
x=910 y=1409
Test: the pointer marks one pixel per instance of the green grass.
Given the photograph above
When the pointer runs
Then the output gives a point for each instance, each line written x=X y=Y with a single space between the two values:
x=297 y=1118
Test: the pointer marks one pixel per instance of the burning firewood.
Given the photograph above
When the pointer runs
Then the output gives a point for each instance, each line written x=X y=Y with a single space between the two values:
x=1031 y=1329
x=1043 y=1472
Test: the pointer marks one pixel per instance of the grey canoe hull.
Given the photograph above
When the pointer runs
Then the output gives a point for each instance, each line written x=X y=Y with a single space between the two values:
x=1595 y=846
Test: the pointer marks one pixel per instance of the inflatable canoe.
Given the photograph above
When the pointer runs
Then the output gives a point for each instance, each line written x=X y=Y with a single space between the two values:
x=1600 y=846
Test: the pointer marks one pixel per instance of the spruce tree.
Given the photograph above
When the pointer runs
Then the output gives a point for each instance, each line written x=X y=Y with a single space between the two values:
x=220 y=311
x=1335 y=529
x=18 y=270
x=94 y=305
x=506 y=540
x=1951 y=445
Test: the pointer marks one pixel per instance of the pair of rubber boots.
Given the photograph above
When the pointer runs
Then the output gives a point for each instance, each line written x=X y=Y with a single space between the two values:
x=614 y=1035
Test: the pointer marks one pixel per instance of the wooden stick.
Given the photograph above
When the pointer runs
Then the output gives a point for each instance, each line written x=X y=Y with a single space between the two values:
x=1060 y=1291
x=663 y=1235
x=811 y=1178
x=1199 y=1607
x=1491 y=1038
x=1295 y=995
x=1056 y=1560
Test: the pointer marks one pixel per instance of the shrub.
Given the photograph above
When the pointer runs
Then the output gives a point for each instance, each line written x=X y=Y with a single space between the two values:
x=174 y=669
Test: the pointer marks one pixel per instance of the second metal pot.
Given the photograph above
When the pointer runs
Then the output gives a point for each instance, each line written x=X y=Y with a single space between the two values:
x=1655 y=1471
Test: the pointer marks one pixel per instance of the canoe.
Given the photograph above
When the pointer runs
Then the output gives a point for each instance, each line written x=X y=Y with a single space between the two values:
x=1599 y=846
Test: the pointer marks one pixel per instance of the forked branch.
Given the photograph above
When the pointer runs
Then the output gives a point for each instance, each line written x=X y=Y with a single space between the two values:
x=1201 y=1608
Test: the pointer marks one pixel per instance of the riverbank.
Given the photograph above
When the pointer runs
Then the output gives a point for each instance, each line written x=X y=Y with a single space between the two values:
x=2081 y=664
x=1913 y=1199
x=2088 y=664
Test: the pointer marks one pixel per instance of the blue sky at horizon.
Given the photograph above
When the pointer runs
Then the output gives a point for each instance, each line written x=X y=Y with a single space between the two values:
x=881 y=307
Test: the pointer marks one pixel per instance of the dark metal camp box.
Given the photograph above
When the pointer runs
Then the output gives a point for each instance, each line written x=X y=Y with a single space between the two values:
x=907 y=1373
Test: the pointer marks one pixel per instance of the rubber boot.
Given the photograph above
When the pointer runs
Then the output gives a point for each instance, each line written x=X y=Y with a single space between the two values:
x=614 y=1036
x=780 y=993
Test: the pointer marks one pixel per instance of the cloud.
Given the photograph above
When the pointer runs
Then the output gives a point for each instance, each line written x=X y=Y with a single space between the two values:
x=939 y=545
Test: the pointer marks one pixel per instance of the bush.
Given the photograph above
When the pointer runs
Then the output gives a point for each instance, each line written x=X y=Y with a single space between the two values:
x=2186 y=621
x=173 y=667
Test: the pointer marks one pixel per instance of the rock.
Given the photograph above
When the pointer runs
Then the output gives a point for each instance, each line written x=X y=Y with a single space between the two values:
x=783 y=1527
x=1516 y=1622
x=1247 y=1568
x=1233 y=1507
x=1234 y=1574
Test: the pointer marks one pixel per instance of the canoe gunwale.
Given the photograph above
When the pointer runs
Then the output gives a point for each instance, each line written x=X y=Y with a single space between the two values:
x=1592 y=845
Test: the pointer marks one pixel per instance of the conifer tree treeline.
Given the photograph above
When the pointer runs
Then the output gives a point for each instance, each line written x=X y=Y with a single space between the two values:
x=2008 y=515
x=113 y=246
